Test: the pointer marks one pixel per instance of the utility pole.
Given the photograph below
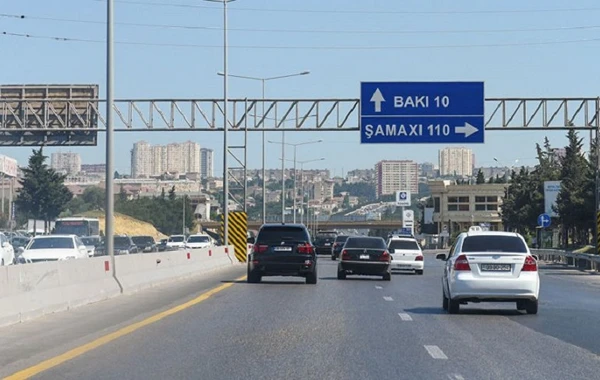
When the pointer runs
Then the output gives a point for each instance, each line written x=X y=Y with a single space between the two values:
x=110 y=128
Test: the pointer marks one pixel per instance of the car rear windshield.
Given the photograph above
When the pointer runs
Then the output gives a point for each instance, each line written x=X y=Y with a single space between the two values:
x=279 y=234
x=52 y=243
x=494 y=244
x=176 y=239
x=143 y=239
x=376 y=243
x=198 y=239
x=404 y=244
x=341 y=239
x=121 y=240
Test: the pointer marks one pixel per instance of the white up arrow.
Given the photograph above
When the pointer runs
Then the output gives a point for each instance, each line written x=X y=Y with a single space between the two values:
x=377 y=98
x=467 y=130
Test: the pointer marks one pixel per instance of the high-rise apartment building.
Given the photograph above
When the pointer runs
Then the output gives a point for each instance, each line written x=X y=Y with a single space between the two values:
x=148 y=160
x=206 y=163
x=69 y=163
x=456 y=162
x=392 y=176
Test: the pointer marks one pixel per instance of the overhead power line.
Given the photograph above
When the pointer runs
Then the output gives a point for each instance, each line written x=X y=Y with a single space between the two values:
x=364 y=11
x=289 y=47
x=300 y=31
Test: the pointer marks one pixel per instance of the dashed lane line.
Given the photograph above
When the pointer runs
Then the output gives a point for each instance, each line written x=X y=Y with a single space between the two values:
x=387 y=298
x=405 y=317
x=436 y=352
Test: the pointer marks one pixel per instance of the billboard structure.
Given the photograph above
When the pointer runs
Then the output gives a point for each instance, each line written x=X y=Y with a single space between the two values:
x=49 y=115
x=8 y=166
x=551 y=190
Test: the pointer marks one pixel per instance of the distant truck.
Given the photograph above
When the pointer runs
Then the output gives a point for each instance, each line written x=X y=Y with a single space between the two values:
x=77 y=226
x=37 y=227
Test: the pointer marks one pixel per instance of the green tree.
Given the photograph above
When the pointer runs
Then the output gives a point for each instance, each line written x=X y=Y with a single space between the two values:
x=43 y=194
x=172 y=194
x=95 y=197
x=122 y=194
x=480 y=178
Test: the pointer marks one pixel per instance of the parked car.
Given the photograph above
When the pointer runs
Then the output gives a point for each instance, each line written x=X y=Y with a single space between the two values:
x=53 y=248
x=364 y=255
x=490 y=266
x=7 y=252
x=199 y=241
x=145 y=243
x=176 y=241
x=283 y=250
x=91 y=243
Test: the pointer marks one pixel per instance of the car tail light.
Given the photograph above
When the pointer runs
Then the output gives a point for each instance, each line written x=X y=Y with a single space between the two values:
x=385 y=256
x=462 y=263
x=530 y=265
x=419 y=258
x=260 y=248
x=345 y=255
x=306 y=249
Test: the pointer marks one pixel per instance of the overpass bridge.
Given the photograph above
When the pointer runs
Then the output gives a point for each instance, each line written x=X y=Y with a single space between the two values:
x=366 y=224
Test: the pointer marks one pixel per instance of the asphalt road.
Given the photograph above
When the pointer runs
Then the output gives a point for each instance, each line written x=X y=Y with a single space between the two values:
x=360 y=328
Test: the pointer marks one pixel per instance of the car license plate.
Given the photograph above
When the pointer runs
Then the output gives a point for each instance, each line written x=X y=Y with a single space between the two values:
x=365 y=257
x=402 y=265
x=327 y=244
x=495 y=267
x=282 y=249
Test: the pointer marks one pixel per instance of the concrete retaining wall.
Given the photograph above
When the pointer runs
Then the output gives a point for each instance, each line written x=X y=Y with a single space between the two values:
x=32 y=290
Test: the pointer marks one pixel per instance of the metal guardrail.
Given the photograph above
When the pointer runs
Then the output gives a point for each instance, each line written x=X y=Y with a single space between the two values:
x=577 y=260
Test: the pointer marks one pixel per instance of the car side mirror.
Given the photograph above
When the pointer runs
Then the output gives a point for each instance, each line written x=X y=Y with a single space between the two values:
x=251 y=240
x=536 y=257
x=441 y=256
x=392 y=250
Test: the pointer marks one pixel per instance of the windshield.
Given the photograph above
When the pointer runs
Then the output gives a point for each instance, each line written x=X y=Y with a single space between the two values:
x=198 y=239
x=377 y=243
x=89 y=241
x=404 y=244
x=143 y=239
x=494 y=244
x=52 y=243
x=176 y=239
x=121 y=241
x=79 y=228
x=279 y=234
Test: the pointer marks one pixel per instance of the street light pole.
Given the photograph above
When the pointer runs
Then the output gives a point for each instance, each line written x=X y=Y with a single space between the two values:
x=263 y=82
x=109 y=179
x=295 y=189
x=283 y=175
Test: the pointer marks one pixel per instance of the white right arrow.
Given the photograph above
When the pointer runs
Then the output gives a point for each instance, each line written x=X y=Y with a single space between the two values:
x=467 y=130
x=377 y=98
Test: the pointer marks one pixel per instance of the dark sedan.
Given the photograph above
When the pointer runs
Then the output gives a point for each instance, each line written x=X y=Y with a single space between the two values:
x=323 y=242
x=283 y=250
x=338 y=244
x=145 y=243
x=367 y=256
x=122 y=244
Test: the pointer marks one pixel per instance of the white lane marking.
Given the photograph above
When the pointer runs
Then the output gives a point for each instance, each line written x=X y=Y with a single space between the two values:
x=388 y=298
x=379 y=287
x=405 y=317
x=436 y=352
x=455 y=376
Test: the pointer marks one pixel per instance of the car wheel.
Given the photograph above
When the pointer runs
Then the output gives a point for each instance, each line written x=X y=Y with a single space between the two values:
x=419 y=272
x=453 y=306
x=341 y=275
x=311 y=278
x=521 y=305
x=531 y=307
x=387 y=277
x=254 y=278
x=444 y=301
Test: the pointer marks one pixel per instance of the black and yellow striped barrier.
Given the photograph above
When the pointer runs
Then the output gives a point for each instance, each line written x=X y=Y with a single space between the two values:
x=238 y=233
x=598 y=233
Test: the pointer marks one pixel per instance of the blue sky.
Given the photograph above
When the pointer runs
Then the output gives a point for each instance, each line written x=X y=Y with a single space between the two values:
x=550 y=70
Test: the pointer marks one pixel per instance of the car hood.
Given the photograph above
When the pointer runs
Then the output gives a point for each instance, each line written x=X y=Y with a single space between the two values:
x=48 y=254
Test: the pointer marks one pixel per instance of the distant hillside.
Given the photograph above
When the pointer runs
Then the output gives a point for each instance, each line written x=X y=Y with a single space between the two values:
x=126 y=225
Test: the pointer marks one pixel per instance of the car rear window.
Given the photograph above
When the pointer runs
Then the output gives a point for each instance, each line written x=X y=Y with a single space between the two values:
x=283 y=233
x=365 y=243
x=340 y=239
x=404 y=244
x=143 y=239
x=494 y=244
x=52 y=243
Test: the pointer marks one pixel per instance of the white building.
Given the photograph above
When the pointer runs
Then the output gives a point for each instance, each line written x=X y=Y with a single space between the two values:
x=323 y=190
x=392 y=176
x=456 y=162
x=68 y=163
x=206 y=163
x=148 y=160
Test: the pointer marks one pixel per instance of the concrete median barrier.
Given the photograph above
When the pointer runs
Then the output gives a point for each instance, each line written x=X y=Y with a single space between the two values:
x=31 y=290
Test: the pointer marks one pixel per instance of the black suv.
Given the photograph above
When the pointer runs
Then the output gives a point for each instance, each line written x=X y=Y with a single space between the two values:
x=324 y=242
x=283 y=250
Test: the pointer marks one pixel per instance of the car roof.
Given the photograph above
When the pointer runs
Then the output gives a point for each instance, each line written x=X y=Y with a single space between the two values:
x=53 y=236
x=407 y=238
x=491 y=233
x=270 y=225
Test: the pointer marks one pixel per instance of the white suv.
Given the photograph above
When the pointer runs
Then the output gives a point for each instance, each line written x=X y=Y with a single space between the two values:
x=406 y=254
x=490 y=266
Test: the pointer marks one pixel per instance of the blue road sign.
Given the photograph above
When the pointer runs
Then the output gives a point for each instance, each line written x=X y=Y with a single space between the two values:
x=422 y=112
x=544 y=220
x=405 y=231
x=403 y=195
